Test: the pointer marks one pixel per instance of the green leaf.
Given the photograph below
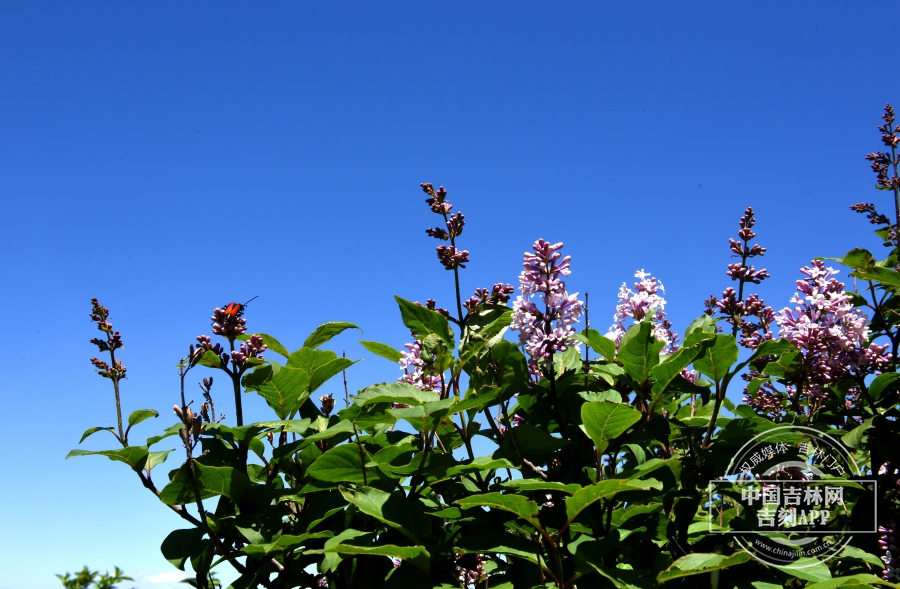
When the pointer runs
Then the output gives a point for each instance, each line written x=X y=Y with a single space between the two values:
x=394 y=392
x=853 y=552
x=282 y=544
x=700 y=563
x=154 y=459
x=858 y=258
x=884 y=276
x=861 y=580
x=482 y=329
x=341 y=464
x=855 y=438
x=414 y=554
x=285 y=391
x=529 y=485
x=260 y=527
x=598 y=342
x=808 y=569
x=521 y=506
x=664 y=373
x=534 y=444
x=93 y=430
x=718 y=358
x=702 y=324
x=140 y=415
x=394 y=509
x=326 y=331
x=383 y=350
x=181 y=545
x=424 y=417
x=605 y=421
x=318 y=365
x=274 y=345
x=133 y=456
x=212 y=480
x=587 y=496
x=422 y=321
x=639 y=352
x=883 y=386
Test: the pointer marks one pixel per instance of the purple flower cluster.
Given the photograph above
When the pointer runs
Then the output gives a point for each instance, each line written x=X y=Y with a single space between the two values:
x=888 y=542
x=547 y=330
x=253 y=348
x=737 y=309
x=499 y=295
x=448 y=255
x=227 y=325
x=829 y=332
x=471 y=576
x=767 y=400
x=642 y=302
x=418 y=372
x=881 y=162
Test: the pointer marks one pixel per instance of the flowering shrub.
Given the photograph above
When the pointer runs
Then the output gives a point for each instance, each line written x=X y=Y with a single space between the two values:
x=598 y=467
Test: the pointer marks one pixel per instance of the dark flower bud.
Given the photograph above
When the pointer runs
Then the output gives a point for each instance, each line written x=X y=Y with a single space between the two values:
x=327 y=404
x=452 y=258
x=438 y=233
x=197 y=427
x=178 y=412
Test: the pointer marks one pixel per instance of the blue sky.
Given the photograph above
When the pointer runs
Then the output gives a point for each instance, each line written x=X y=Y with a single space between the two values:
x=171 y=157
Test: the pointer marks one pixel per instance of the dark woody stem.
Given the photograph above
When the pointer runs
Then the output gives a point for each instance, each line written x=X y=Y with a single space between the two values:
x=115 y=379
x=236 y=382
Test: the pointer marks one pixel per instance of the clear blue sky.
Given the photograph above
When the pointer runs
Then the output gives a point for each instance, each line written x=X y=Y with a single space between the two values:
x=171 y=157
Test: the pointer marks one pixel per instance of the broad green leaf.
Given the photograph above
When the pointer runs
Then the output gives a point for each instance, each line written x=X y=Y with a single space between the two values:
x=517 y=504
x=154 y=459
x=858 y=258
x=639 y=351
x=285 y=391
x=479 y=464
x=140 y=415
x=702 y=324
x=529 y=485
x=700 y=563
x=881 y=388
x=854 y=438
x=496 y=542
x=605 y=421
x=482 y=329
x=133 y=456
x=283 y=543
x=533 y=443
x=587 y=496
x=213 y=480
x=172 y=430
x=260 y=527
x=808 y=569
x=717 y=359
x=414 y=554
x=326 y=331
x=383 y=350
x=180 y=545
x=422 y=321
x=394 y=509
x=884 y=276
x=318 y=365
x=394 y=392
x=270 y=342
x=341 y=464
x=424 y=417
x=853 y=552
x=343 y=429
x=854 y=581
x=665 y=372
x=598 y=342
x=93 y=430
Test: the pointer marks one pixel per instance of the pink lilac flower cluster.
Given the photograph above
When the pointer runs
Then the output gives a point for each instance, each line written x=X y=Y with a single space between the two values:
x=767 y=400
x=545 y=312
x=888 y=542
x=829 y=332
x=644 y=301
x=471 y=576
x=882 y=162
x=418 y=372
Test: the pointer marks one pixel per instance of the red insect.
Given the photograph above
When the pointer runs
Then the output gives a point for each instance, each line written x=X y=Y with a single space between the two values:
x=235 y=310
